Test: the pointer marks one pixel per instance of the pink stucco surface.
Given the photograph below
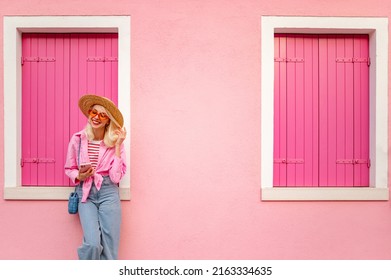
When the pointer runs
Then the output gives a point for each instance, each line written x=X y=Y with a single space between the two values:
x=195 y=144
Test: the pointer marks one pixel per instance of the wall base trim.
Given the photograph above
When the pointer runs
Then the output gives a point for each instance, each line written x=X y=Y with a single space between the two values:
x=324 y=193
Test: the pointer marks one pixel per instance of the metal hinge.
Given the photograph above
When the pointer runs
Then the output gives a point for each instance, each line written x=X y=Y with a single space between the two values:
x=354 y=161
x=354 y=60
x=36 y=160
x=289 y=161
x=284 y=59
x=37 y=59
x=102 y=59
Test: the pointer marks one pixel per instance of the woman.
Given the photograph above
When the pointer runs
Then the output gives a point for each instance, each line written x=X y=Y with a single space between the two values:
x=100 y=147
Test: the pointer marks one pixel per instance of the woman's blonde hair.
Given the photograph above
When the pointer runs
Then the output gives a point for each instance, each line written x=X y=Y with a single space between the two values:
x=110 y=136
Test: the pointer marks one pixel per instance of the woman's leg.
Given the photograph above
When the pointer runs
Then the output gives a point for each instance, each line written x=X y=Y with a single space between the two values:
x=91 y=248
x=110 y=219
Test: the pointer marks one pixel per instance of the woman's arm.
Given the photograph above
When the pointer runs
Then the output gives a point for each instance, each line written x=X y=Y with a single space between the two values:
x=71 y=168
x=118 y=167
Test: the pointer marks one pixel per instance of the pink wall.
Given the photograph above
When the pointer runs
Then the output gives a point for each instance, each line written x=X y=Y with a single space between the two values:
x=195 y=170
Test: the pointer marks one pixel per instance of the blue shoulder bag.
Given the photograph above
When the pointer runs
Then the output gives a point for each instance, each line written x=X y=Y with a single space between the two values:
x=73 y=201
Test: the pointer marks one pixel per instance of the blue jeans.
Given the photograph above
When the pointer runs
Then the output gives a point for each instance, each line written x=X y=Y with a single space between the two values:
x=100 y=218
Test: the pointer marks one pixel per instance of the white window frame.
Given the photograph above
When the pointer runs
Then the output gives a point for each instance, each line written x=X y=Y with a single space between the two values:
x=377 y=29
x=14 y=27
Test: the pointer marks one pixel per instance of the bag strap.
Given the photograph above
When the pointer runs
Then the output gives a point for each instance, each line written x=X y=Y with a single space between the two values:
x=78 y=158
x=78 y=153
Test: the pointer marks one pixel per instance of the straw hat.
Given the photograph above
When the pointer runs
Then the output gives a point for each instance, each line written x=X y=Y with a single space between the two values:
x=89 y=100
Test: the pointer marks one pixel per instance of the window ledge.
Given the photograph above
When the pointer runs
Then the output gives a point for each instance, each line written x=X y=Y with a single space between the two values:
x=49 y=193
x=324 y=193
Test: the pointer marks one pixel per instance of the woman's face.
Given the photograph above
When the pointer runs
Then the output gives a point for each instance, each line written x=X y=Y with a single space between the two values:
x=98 y=117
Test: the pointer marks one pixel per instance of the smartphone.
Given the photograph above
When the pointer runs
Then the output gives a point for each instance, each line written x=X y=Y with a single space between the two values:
x=84 y=167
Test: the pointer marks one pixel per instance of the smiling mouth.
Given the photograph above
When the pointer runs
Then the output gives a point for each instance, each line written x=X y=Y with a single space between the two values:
x=96 y=122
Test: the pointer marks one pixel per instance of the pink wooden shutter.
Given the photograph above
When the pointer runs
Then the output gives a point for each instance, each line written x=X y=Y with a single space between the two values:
x=296 y=111
x=55 y=73
x=344 y=110
x=321 y=110
x=45 y=130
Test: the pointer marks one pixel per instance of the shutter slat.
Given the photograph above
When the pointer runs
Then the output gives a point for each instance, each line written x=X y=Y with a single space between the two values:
x=361 y=112
x=280 y=145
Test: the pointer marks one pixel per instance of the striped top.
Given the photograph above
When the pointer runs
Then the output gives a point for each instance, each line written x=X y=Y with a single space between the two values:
x=93 y=152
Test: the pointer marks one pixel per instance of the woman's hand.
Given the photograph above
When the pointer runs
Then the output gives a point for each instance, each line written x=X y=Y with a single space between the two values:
x=121 y=136
x=84 y=175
